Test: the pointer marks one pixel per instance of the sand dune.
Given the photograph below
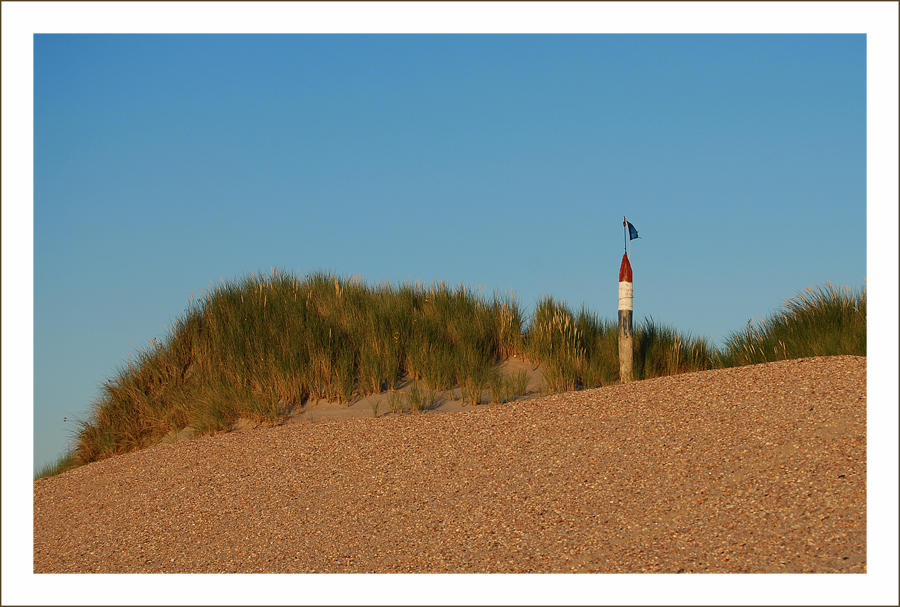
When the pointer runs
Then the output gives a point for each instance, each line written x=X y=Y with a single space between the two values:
x=754 y=469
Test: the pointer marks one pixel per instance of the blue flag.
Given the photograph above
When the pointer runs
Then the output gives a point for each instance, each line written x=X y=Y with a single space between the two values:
x=632 y=232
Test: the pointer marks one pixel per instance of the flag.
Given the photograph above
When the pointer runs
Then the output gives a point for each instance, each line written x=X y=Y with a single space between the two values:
x=632 y=232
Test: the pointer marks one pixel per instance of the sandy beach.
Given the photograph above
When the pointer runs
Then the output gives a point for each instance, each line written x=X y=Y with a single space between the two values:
x=754 y=469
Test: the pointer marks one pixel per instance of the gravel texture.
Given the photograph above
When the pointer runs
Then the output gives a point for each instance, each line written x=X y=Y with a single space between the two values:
x=754 y=469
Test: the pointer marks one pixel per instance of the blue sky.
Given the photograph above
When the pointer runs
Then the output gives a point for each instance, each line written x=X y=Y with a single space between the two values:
x=164 y=162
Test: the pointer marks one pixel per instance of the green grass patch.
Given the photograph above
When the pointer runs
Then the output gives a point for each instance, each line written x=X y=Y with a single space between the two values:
x=64 y=463
x=819 y=321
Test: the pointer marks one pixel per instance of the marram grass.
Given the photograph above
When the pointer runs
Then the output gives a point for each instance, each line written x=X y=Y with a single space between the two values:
x=254 y=347
x=819 y=321
x=64 y=463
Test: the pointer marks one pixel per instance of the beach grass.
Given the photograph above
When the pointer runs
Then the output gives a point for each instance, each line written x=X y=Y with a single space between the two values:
x=818 y=321
x=257 y=346
x=519 y=382
x=249 y=347
x=659 y=350
x=395 y=401
x=65 y=462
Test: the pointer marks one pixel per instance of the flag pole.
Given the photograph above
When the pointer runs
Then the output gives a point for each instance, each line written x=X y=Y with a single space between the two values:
x=626 y=312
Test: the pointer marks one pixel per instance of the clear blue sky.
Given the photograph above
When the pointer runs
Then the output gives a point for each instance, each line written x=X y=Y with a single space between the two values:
x=164 y=162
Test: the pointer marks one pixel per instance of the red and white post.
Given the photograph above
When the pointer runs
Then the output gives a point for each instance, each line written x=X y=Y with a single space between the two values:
x=626 y=311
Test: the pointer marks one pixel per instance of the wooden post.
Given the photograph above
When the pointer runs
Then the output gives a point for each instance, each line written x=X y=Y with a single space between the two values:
x=626 y=312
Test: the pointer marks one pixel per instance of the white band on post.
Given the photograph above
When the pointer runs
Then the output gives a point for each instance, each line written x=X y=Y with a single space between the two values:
x=626 y=296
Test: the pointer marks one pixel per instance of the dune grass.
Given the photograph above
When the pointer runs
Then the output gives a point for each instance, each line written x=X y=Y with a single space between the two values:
x=819 y=321
x=253 y=348
x=257 y=346
x=65 y=462
x=581 y=351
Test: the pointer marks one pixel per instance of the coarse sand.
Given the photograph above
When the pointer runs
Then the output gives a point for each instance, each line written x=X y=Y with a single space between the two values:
x=752 y=469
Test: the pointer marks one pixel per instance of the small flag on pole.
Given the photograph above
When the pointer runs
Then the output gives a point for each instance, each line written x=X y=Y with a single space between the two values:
x=632 y=232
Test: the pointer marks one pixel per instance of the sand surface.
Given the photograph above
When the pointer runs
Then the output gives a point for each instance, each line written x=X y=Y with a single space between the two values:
x=447 y=401
x=754 y=469
x=378 y=405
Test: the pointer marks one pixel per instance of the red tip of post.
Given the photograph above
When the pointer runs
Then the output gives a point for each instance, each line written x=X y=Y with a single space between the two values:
x=625 y=270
